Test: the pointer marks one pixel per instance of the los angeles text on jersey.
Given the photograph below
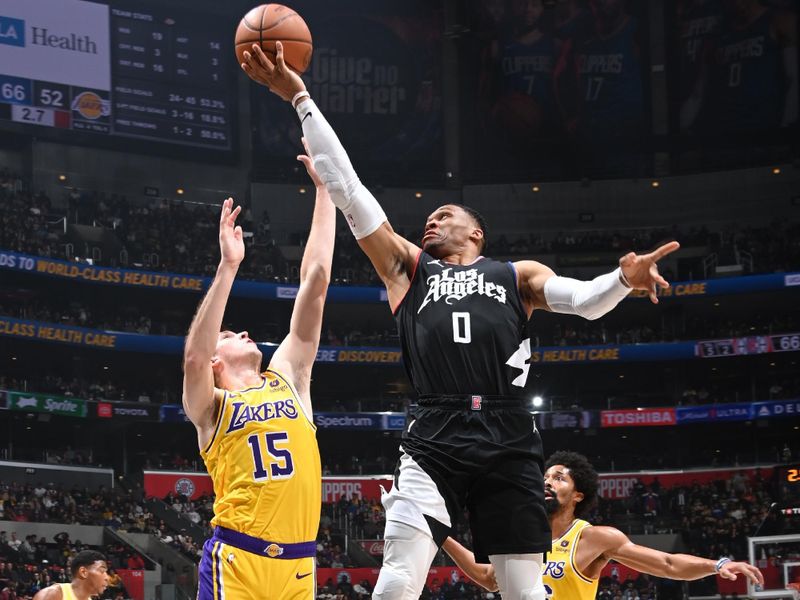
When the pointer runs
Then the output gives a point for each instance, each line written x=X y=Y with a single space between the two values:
x=243 y=413
x=453 y=286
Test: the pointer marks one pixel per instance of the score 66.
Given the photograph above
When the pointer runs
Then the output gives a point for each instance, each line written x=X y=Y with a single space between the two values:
x=15 y=90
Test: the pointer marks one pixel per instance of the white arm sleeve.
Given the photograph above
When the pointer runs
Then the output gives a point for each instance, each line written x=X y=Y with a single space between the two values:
x=589 y=299
x=361 y=210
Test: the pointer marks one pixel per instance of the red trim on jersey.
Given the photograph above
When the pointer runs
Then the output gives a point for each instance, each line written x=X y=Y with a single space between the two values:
x=410 y=282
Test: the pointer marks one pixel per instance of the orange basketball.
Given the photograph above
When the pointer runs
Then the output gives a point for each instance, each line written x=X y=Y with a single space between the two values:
x=268 y=23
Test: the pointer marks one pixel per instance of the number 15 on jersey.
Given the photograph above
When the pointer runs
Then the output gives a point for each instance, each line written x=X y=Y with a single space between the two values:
x=278 y=458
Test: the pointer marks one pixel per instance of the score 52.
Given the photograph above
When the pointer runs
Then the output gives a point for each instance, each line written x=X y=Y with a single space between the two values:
x=50 y=95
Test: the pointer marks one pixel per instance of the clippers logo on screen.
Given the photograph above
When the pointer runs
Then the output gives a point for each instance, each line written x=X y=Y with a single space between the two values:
x=12 y=31
x=91 y=106
x=184 y=487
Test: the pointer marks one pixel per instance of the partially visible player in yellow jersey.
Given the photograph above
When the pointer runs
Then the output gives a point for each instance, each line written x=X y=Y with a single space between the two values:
x=580 y=551
x=255 y=428
x=89 y=578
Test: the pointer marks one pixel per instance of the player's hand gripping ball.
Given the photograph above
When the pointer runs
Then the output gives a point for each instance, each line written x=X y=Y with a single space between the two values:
x=266 y=24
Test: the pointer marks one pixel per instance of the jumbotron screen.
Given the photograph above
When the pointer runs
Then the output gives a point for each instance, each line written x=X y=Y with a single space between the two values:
x=128 y=68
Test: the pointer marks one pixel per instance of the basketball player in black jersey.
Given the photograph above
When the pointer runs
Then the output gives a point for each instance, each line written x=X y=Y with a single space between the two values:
x=749 y=78
x=462 y=320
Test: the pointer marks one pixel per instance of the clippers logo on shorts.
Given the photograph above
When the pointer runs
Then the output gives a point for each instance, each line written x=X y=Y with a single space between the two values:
x=91 y=106
x=453 y=287
x=243 y=413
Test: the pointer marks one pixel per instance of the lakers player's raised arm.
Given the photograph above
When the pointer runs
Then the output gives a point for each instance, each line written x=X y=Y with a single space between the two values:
x=394 y=258
x=199 y=398
x=295 y=357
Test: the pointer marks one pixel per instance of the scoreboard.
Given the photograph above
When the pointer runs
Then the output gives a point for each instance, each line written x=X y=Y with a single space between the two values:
x=745 y=346
x=127 y=69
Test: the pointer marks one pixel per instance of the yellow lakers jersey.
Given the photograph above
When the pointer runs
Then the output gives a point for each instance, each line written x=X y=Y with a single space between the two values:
x=66 y=591
x=562 y=579
x=264 y=461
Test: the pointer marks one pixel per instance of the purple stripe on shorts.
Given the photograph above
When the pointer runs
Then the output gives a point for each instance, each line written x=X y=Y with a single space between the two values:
x=205 y=577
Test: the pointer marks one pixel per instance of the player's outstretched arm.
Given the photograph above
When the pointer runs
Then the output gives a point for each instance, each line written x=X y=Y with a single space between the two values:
x=541 y=288
x=480 y=573
x=199 y=400
x=296 y=354
x=392 y=256
x=612 y=544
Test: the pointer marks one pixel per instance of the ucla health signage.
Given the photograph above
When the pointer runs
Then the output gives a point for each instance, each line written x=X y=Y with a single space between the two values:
x=623 y=353
x=84 y=272
x=727 y=285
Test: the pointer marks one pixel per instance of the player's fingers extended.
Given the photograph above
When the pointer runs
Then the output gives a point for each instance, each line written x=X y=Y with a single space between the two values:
x=279 y=60
x=662 y=251
x=262 y=59
x=653 y=295
x=660 y=281
x=235 y=214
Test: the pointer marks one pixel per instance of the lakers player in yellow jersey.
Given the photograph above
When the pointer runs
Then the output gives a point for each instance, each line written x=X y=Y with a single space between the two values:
x=580 y=551
x=255 y=428
x=89 y=578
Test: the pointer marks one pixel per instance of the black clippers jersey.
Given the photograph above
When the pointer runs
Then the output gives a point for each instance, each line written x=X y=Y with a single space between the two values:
x=463 y=329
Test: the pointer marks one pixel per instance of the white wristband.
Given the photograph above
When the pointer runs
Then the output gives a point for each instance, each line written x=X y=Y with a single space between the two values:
x=296 y=98
x=721 y=563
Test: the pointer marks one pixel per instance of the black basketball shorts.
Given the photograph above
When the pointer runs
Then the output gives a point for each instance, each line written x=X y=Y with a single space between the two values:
x=479 y=452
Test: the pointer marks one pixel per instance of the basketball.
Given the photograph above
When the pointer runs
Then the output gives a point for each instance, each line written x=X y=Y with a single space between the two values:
x=268 y=23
